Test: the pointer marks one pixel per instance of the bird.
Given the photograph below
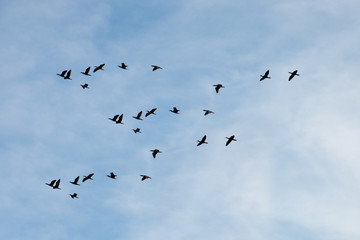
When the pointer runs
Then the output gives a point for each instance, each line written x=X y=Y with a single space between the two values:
x=56 y=186
x=207 y=112
x=293 y=74
x=88 y=177
x=154 y=152
x=202 y=141
x=100 y=67
x=137 y=130
x=152 y=111
x=174 y=110
x=266 y=75
x=74 y=195
x=217 y=87
x=62 y=74
x=114 y=118
x=85 y=86
x=232 y=138
x=75 y=182
x=68 y=75
x=51 y=184
x=143 y=177
x=86 y=72
x=138 y=117
x=120 y=119
x=156 y=67
x=112 y=175
x=123 y=66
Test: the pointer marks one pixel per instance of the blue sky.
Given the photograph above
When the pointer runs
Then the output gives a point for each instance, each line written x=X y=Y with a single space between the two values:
x=293 y=172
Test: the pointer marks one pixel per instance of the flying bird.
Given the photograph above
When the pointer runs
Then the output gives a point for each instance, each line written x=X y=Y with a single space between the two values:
x=293 y=74
x=154 y=152
x=75 y=182
x=202 y=141
x=112 y=175
x=143 y=177
x=86 y=72
x=56 y=186
x=156 y=67
x=51 y=184
x=137 y=130
x=152 y=111
x=62 y=74
x=100 y=67
x=85 y=86
x=266 y=75
x=138 y=117
x=123 y=66
x=217 y=87
x=114 y=118
x=232 y=138
x=88 y=177
x=68 y=75
x=175 y=110
x=120 y=119
x=74 y=195
x=207 y=112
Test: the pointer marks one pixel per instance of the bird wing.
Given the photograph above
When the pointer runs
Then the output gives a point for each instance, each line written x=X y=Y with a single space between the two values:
x=139 y=114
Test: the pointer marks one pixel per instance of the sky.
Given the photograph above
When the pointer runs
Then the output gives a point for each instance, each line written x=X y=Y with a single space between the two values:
x=293 y=172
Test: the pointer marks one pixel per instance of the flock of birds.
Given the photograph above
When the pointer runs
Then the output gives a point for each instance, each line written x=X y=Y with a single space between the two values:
x=118 y=119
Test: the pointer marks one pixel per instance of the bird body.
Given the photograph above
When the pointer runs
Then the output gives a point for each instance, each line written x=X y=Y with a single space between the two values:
x=207 y=112
x=86 y=72
x=88 y=177
x=100 y=67
x=114 y=118
x=120 y=119
x=137 y=130
x=123 y=66
x=202 y=141
x=156 y=67
x=62 y=74
x=293 y=74
x=74 y=195
x=75 y=182
x=175 y=110
x=112 y=175
x=85 y=86
x=51 y=184
x=231 y=138
x=154 y=152
x=138 y=117
x=144 y=177
x=217 y=87
x=266 y=75
x=152 y=111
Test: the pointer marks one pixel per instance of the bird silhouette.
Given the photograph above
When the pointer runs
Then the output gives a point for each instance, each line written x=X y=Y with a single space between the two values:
x=207 y=112
x=86 y=72
x=120 y=119
x=202 y=141
x=174 y=110
x=138 y=117
x=112 y=175
x=100 y=67
x=217 y=87
x=88 y=177
x=144 y=177
x=293 y=74
x=75 y=182
x=68 y=75
x=62 y=74
x=137 y=130
x=152 y=111
x=154 y=152
x=156 y=67
x=114 y=118
x=51 y=184
x=266 y=75
x=85 y=86
x=232 y=138
x=74 y=195
x=56 y=186
x=123 y=66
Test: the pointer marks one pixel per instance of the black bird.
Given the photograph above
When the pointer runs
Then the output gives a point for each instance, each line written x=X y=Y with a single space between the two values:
x=88 y=177
x=293 y=74
x=202 y=141
x=120 y=119
x=154 y=152
x=112 y=175
x=123 y=66
x=86 y=72
x=207 y=112
x=100 y=67
x=232 y=138
x=137 y=130
x=175 y=110
x=62 y=74
x=152 y=111
x=56 y=186
x=68 y=75
x=138 y=117
x=266 y=75
x=85 y=86
x=74 y=195
x=217 y=87
x=51 y=184
x=143 y=177
x=75 y=182
x=114 y=118
x=156 y=67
